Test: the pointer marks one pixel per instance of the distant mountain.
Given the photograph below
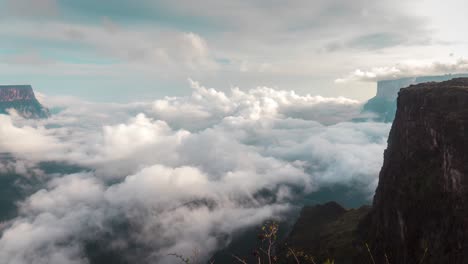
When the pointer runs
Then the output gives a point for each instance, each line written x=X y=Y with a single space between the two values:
x=383 y=105
x=22 y=99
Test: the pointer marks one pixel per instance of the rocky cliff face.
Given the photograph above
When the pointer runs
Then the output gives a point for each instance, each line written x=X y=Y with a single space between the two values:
x=384 y=103
x=22 y=99
x=420 y=209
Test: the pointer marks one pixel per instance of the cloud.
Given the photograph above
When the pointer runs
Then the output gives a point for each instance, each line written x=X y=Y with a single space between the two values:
x=35 y=141
x=77 y=207
x=57 y=215
x=182 y=173
x=208 y=106
x=377 y=41
x=25 y=168
x=408 y=69
x=244 y=43
x=152 y=51
x=28 y=58
x=31 y=8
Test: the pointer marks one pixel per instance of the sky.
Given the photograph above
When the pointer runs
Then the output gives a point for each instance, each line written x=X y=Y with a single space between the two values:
x=130 y=50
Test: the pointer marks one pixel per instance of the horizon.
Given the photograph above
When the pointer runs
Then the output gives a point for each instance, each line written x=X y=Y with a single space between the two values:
x=109 y=100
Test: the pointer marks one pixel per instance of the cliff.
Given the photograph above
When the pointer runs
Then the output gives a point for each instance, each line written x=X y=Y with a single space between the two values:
x=383 y=105
x=22 y=99
x=420 y=208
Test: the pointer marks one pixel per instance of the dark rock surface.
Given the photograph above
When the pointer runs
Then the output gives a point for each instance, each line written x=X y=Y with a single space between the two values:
x=420 y=209
x=22 y=99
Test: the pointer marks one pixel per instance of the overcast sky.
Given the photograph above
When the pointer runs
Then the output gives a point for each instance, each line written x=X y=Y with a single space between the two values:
x=125 y=50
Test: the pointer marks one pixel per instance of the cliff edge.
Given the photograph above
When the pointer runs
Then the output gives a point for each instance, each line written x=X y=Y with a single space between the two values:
x=420 y=208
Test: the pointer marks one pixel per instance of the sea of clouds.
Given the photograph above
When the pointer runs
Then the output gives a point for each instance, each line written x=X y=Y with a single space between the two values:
x=180 y=173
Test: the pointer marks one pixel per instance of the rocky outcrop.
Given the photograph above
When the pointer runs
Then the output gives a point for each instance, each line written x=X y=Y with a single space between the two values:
x=383 y=105
x=21 y=98
x=420 y=209
x=327 y=231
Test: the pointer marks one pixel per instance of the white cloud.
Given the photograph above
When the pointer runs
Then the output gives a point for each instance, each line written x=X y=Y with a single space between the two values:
x=184 y=173
x=51 y=217
x=107 y=49
x=78 y=207
x=207 y=106
x=245 y=43
x=407 y=69
x=123 y=140
x=26 y=140
x=304 y=44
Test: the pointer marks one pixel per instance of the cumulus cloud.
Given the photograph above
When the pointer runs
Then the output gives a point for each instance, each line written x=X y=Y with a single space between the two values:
x=207 y=106
x=153 y=50
x=182 y=173
x=77 y=207
x=409 y=69
x=26 y=140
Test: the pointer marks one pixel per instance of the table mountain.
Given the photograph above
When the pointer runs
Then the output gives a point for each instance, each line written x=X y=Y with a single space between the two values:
x=383 y=105
x=22 y=99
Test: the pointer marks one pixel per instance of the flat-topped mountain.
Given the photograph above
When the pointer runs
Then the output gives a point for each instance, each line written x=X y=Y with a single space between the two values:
x=383 y=105
x=21 y=98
